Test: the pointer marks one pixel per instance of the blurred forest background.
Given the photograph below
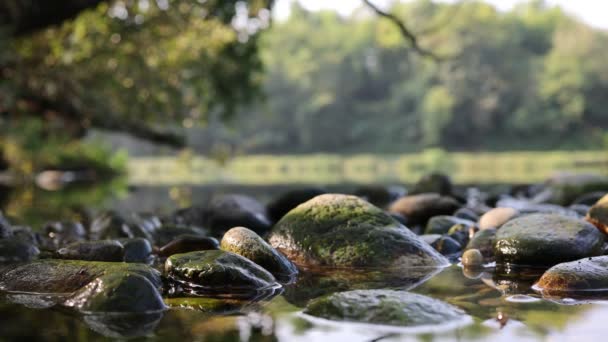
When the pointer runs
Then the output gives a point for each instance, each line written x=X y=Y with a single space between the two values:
x=224 y=78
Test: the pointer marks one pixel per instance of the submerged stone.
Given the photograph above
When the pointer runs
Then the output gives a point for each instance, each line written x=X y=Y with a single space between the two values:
x=388 y=307
x=189 y=243
x=15 y=250
x=598 y=214
x=105 y=250
x=546 y=240
x=345 y=231
x=420 y=208
x=291 y=199
x=244 y=242
x=584 y=275
x=65 y=276
x=218 y=272
x=117 y=292
x=496 y=217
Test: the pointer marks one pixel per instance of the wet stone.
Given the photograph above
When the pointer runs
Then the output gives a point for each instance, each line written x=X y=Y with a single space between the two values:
x=447 y=246
x=433 y=183
x=117 y=292
x=345 y=231
x=496 y=217
x=380 y=195
x=65 y=276
x=546 y=240
x=227 y=211
x=219 y=273
x=467 y=214
x=110 y=225
x=483 y=241
x=388 y=307
x=420 y=208
x=472 y=258
x=59 y=234
x=441 y=224
x=581 y=276
x=15 y=250
x=598 y=214
x=189 y=243
x=104 y=250
x=244 y=242
x=170 y=232
x=136 y=250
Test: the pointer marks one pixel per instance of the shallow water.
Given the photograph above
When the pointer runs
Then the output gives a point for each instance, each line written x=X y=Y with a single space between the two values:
x=501 y=306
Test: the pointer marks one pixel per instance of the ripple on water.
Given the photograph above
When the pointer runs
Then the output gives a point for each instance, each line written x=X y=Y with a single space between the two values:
x=522 y=299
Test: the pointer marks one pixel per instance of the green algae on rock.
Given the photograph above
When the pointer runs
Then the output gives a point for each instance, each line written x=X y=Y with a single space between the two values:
x=65 y=276
x=598 y=214
x=345 y=231
x=247 y=243
x=546 y=240
x=217 y=272
x=103 y=250
x=581 y=276
x=388 y=307
x=117 y=292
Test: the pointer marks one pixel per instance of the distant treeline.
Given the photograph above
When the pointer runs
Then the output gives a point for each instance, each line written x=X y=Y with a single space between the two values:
x=532 y=78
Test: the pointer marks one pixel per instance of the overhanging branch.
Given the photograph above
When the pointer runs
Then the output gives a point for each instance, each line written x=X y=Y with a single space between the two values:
x=405 y=31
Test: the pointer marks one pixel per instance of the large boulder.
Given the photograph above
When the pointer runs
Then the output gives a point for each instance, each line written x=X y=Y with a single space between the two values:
x=546 y=240
x=248 y=244
x=418 y=209
x=576 y=277
x=388 y=307
x=218 y=272
x=345 y=231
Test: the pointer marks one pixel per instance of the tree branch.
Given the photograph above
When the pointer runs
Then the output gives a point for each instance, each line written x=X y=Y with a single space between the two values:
x=405 y=32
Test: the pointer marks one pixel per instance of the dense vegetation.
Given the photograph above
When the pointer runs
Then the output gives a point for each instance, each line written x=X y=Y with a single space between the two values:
x=530 y=79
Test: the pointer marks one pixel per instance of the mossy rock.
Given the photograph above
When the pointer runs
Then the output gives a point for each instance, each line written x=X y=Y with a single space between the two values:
x=598 y=214
x=441 y=224
x=496 y=217
x=117 y=293
x=546 y=240
x=105 y=250
x=65 y=276
x=345 y=231
x=247 y=243
x=218 y=272
x=581 y=277
x=281 y=205
x=17 y=250
x=388 y=307
x=418 y=209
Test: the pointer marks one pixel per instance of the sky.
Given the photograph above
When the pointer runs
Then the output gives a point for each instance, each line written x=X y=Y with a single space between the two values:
x=594 y=12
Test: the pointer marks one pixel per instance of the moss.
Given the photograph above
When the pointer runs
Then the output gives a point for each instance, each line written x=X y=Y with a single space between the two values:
x=388 y=307
x=65 y=276
x=345 y=231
